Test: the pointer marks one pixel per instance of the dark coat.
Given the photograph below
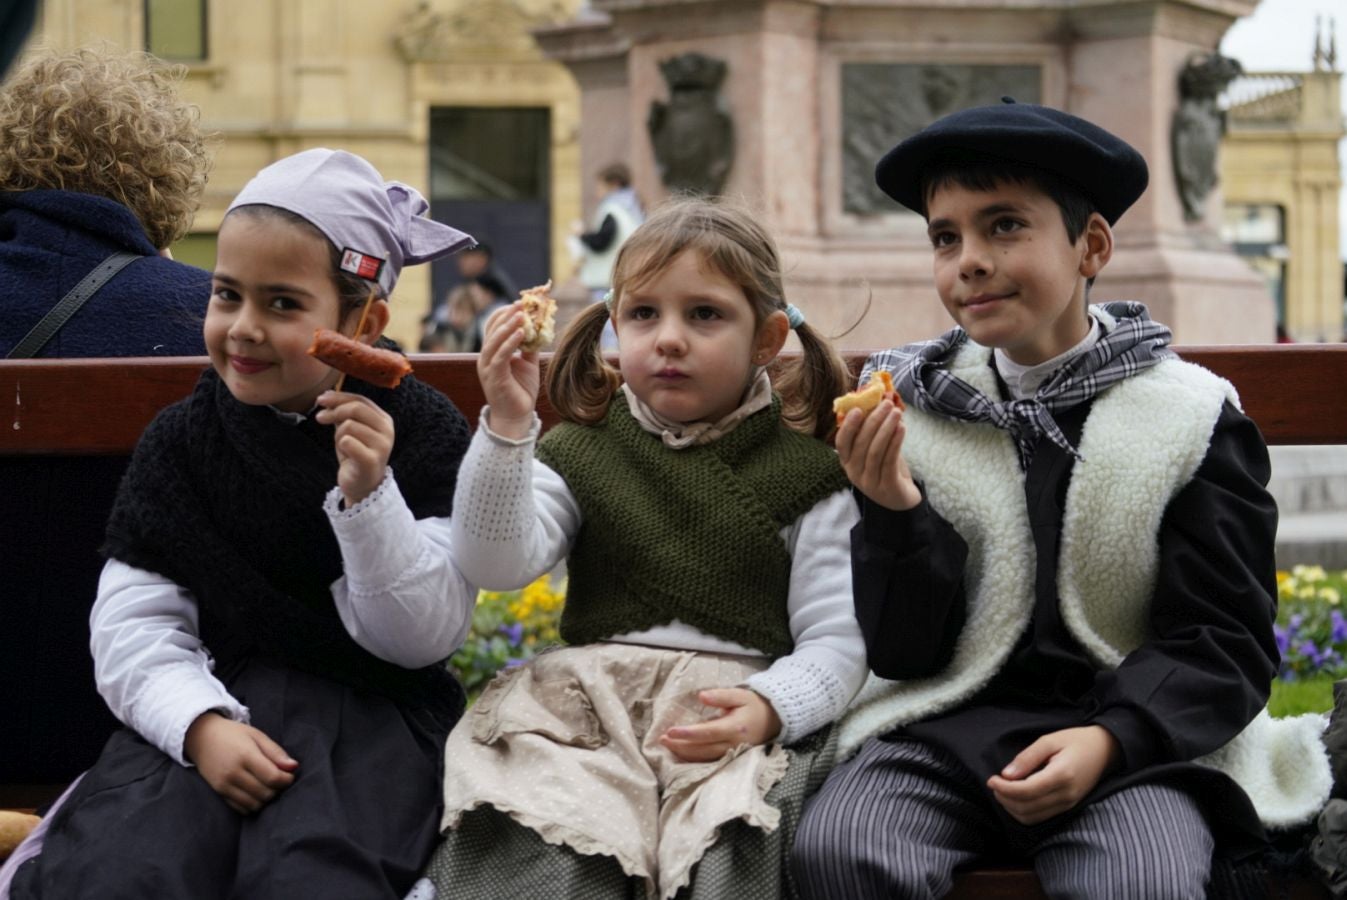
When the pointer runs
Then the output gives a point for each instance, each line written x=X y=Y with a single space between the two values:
x=55 y=509
x=49 y=240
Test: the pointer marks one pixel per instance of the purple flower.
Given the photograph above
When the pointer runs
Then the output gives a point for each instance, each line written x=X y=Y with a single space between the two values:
x=1283 y=639
x=514 y=632
x=512 y=661
x=1308 y=650
x=1296 y=621
x=1338 y=633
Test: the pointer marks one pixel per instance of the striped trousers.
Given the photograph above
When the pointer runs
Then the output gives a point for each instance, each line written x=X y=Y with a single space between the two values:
x=898 y=819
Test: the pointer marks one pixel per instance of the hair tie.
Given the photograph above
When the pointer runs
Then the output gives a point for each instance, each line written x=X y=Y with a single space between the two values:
x=608 y=299
x=794 y=316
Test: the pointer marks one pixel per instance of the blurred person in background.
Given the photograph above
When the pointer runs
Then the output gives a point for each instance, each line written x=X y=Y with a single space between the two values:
x=616 y=217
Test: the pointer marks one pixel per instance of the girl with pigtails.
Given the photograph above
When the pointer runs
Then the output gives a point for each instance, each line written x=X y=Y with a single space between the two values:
x=709 y=619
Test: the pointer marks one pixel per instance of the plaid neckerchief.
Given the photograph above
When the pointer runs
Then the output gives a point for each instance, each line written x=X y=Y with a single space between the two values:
x=1129 y=342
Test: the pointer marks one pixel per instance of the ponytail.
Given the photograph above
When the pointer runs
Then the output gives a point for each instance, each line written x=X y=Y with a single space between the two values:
x=809 y=384
x=580 y=384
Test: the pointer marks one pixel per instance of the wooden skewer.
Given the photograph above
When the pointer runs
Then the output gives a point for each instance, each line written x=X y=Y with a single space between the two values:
x=360 y=326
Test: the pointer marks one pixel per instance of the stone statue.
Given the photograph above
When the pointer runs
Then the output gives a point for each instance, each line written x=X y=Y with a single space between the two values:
x=692 y=134
x=1198 y=127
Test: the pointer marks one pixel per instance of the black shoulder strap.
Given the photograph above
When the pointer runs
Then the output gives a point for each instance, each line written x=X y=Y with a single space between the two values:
x=68 y=305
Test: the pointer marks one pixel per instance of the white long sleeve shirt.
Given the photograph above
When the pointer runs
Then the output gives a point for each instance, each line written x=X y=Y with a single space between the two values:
x=515 y=518
x=401 y=598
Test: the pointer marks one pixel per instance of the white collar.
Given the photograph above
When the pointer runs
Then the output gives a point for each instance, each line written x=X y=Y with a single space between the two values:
x=678 y=435
x=292 y=418
x=1024 y=381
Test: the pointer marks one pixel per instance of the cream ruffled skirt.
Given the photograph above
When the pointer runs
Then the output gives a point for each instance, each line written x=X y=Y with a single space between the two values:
x=568 y=746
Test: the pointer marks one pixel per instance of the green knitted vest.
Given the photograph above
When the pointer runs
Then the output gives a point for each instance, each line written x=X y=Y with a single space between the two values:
x=689 y=534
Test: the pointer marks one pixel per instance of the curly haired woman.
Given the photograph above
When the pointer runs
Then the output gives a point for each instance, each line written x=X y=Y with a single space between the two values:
x=98 y=154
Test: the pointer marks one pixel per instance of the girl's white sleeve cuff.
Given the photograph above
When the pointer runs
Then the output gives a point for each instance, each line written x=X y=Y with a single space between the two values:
x=401 y=597
x=514 y=518
x=376 y=536
x=149 y=664
x=813 y=684
x=172 y=701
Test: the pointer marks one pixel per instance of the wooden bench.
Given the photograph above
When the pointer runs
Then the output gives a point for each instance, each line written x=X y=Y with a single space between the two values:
x=1296 y=393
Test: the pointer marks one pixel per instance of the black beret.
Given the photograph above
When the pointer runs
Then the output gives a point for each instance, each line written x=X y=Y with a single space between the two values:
x=1105 y=168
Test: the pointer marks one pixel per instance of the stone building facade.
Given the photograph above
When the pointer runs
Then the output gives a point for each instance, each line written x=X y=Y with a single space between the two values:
x=1282 y=180
x=501 y=111
x=399 y=82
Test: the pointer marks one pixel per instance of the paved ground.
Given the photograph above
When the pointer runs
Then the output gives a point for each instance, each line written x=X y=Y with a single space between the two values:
x=1310 y=484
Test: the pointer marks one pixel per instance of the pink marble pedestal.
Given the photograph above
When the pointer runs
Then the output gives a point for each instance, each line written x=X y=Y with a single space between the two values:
x=1115 y=63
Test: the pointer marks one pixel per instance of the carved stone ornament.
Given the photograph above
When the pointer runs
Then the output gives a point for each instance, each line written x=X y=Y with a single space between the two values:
x=1198 y=126
x=502 y=26
x=692 y=134
x=883 y=103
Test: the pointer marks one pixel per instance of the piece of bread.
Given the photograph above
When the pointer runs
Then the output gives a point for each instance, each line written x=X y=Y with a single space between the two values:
x=372 y=364
x=540 y=317
x=878 y=390
x=14 y=827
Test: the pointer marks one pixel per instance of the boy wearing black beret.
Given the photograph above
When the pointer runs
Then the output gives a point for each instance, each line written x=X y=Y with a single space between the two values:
x=1064 y=571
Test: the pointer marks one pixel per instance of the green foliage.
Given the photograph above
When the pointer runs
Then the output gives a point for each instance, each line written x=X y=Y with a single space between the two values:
x=1291 y=698
x=1311 y=628
x=508 y=629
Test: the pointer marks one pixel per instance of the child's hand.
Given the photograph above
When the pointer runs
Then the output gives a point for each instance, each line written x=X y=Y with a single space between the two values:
x=748 y=719
x=870 y=448
x=509 y=379
x=1055 y=772
x=364 y=440
x=239 y=762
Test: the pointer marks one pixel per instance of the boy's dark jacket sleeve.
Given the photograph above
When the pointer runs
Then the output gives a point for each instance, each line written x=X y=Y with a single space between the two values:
x=907 y=572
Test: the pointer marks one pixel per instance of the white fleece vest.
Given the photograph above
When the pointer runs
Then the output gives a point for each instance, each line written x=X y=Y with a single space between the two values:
x=1143 y=440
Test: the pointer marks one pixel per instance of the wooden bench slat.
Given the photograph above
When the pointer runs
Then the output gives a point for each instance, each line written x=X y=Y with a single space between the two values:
x=1297 y=393
x=80 y=407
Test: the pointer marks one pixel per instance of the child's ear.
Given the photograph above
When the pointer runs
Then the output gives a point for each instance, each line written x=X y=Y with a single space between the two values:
x=771 y=337
x=375 y=322
x=1098 y=245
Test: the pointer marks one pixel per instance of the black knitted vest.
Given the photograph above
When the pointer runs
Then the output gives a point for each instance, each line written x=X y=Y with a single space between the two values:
x=226 y=500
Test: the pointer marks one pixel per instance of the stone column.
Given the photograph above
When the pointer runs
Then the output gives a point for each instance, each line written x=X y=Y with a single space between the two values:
x=793 y=79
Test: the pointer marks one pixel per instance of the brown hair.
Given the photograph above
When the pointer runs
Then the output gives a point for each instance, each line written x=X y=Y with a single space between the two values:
x=110 y=125
x=580 y=384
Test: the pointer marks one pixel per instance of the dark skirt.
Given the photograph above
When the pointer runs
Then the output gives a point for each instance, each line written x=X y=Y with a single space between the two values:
x=359 y=821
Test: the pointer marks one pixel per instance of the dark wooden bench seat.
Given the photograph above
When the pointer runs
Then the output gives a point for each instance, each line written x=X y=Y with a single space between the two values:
x=1296 y=393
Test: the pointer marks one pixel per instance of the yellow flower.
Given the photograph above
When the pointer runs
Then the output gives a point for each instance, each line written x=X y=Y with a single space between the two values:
x=1309 y=573
x=1306 y=593
x=1329 y=595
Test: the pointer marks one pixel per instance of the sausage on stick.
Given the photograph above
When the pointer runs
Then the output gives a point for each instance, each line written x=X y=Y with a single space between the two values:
x=350 y=357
